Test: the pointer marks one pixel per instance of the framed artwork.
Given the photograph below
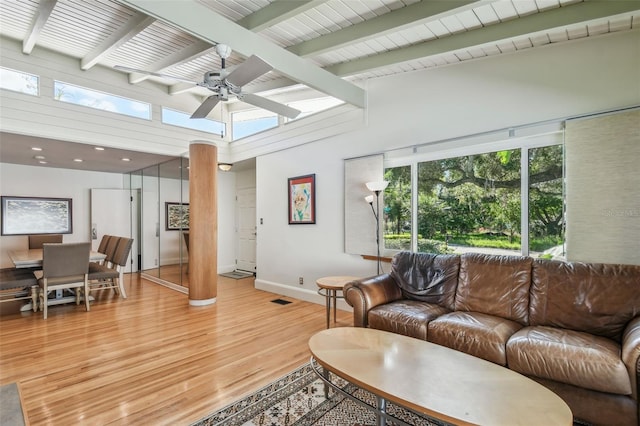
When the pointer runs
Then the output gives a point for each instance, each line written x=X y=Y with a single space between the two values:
x=302 y=199
x=36 y=215
x=176 y=216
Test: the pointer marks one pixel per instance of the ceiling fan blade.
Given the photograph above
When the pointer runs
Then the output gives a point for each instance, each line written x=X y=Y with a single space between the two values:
x=155 y=74
x=269 y=105
x=248 y=71
x=205 y=108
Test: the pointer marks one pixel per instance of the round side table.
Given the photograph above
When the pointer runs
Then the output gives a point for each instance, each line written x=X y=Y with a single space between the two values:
x=329 y=288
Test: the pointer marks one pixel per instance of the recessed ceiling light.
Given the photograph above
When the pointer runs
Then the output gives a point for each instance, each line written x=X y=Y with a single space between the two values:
x=78 y=160
x=98 y=148
x=35 y=148
x=39 y=157
x=126 y=159
x=42 y=162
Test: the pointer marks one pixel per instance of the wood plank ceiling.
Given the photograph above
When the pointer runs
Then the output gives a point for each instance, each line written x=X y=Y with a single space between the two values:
x=323 y=44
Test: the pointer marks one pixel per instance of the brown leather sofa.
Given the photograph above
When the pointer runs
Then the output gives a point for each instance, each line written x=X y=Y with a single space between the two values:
x=573 y=327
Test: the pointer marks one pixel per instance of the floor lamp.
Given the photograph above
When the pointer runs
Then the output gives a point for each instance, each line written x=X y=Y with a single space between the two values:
x=376 y=188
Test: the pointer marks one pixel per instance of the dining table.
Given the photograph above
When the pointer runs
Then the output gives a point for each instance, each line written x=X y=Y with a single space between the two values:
x=32 y=258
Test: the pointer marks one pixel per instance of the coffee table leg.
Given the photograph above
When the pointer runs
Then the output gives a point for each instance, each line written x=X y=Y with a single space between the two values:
x=382 y=409
x=325 y=374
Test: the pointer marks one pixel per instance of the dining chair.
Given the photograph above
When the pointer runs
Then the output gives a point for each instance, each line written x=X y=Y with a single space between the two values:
x=36 y=241
x=110 y=274
x=64 y=266
x=104 y=242
x=18 y=284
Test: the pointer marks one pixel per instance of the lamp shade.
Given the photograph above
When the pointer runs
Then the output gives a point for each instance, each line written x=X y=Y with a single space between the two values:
x=377 y=186
x=369 y=199
x=225 y=167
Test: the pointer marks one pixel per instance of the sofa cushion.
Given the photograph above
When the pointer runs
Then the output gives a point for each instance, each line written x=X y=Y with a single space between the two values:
x=484 y=336
x=427 y=277
x=595 y=298
x=568 y=356
x=495 y=285
x=407 y=317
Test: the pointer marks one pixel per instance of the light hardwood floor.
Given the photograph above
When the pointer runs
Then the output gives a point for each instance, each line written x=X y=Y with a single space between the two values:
x=152 y=359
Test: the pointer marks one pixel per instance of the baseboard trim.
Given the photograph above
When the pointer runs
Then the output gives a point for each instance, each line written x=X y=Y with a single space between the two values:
x=204 y=302
x=168 y=284
x=298 y=293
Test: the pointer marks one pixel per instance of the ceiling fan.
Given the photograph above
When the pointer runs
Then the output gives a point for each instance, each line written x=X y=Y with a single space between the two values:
x=224 y=84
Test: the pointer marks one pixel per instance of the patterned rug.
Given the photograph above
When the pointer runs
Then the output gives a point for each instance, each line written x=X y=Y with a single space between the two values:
x=298 y=399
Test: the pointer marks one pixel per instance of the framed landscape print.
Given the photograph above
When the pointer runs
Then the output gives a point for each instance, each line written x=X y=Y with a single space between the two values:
x=36 y=215
x=176 y=216
x=302 y=199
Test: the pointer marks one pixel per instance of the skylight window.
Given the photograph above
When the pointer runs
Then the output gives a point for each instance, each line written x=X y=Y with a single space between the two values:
x=246 y=123
x=177 y=118
x=312 y=106
x=19 y=81
x=77 y=95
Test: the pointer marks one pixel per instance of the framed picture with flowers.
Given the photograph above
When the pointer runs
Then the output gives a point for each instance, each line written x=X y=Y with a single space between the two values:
x=302 y=199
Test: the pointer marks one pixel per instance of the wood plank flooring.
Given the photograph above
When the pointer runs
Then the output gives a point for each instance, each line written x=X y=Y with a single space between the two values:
x=152 y=359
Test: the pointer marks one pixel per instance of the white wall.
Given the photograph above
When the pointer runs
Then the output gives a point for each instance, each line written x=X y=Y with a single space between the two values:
x=549 y=83
x=30 y=181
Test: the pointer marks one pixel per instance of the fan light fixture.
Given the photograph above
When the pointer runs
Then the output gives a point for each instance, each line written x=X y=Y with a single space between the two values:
x=223 y=50
x=225 y=167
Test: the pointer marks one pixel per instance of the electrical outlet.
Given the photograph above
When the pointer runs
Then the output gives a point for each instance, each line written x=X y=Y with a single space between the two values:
x=301 y=281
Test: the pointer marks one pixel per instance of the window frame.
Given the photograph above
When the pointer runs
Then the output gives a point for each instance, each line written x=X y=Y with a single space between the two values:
x=524 y=139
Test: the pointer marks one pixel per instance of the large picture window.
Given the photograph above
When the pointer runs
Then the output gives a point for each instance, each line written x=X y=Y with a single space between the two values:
x=546 y=201
x=397 y=208
x=470 y=202
x=507 y=201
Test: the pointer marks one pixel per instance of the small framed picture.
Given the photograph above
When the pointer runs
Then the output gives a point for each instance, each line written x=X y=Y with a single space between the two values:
x=176 y=216
x=302 y=199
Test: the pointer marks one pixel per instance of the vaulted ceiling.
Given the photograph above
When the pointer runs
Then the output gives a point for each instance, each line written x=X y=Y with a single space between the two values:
x=329 y=46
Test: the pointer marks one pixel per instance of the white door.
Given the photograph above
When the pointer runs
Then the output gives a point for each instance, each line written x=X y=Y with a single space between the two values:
x=112 y=212
x=246 y=259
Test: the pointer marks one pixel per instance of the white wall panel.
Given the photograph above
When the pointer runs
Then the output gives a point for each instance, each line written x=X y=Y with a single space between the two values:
x=603 y=188
x=359 y=221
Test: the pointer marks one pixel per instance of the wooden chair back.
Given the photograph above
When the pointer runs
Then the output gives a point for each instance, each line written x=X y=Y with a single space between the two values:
x=122 y=251
x=68 y=260
x=36 y=241
x=102 y=247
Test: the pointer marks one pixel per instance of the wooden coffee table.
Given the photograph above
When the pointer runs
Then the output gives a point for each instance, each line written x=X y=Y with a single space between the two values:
x=434 y=380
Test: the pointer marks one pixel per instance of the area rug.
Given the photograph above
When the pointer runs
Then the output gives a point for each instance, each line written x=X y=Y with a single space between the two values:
x=236 y=275
x=298 y=399
x=10 y=406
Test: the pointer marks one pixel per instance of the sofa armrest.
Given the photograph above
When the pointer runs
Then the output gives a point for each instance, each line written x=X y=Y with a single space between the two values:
x=368 y=293
x=631 y=354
